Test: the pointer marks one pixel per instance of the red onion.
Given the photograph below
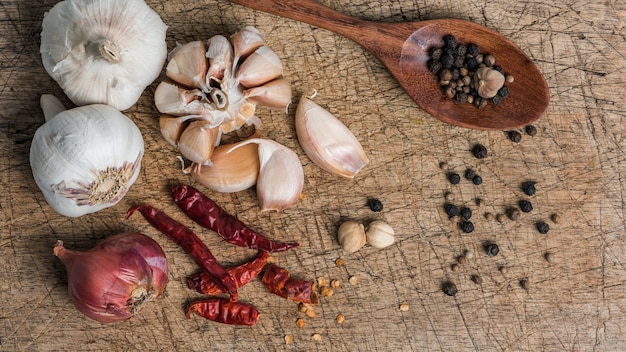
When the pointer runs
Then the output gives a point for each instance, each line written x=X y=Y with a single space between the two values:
x=113 y=280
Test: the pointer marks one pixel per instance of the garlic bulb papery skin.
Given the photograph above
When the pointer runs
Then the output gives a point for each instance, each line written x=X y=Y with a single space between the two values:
x=85 y=159
x=234 y=86
x=327 y=141
x=281 y=177
x=103 y=51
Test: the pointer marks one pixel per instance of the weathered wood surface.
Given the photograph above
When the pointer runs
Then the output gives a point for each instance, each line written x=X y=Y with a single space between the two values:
x=578 y=303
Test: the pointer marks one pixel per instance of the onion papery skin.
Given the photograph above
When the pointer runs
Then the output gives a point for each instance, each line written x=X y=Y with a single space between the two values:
x=112 y=281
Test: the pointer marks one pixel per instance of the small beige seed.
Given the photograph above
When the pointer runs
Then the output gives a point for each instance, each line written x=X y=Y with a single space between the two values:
x=404 y=307
x=316 y=337
x=340 y=319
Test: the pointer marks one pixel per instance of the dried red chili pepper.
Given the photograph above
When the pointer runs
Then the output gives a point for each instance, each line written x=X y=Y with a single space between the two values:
x=208 y=214
x=205 y=283
x=191 y=243
x=223 y=311
x=277 y=280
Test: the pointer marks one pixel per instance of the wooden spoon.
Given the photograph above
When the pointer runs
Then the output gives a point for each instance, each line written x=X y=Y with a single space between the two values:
x=404 y=48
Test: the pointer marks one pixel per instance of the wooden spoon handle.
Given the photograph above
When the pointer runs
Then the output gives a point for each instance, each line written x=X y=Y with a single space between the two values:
x=313 y=13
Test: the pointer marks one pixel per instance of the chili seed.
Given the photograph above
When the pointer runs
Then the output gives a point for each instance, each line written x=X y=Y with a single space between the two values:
x=525 y=206
x=477 y=180
x=492 y=249
x=451 y=210
x=454 y=178
x=531 y=130
x=449 y=288
x=466 y=213
x=529 y=188
x=469 y=174
x=479 y=151
x=514 y=136
x=375 y=205
x=543 y=227
x=466 y=226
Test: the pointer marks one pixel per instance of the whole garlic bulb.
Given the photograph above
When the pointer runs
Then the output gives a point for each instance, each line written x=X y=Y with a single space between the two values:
x=85 y=159
x=103 y=51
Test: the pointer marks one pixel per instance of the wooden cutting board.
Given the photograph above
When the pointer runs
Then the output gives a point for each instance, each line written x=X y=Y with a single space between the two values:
x=577 y=157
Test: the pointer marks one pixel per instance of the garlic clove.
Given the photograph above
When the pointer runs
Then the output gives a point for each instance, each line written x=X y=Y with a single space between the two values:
x=188 y=65
x=351 y=236
x=198 y=141
x=327 y=141
x=274 y=94
x=262 y=66
x=281 y=177
x=220 y=55
x=380 y=234
x=104 y=52
x=246 y=41
x=233 y=170
x=172 y=127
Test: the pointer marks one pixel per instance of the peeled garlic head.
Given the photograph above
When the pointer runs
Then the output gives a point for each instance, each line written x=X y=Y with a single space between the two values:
x=103 y=51
x=85 y=159
x=281 y=177
x=327 y=141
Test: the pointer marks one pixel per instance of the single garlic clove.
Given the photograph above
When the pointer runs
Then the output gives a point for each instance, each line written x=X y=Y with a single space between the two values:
x=233 y=170
x=327 y=141
x=172 y=127
x=274 y=94
x=246 y=41
x=379 y=234
x=198 y=141
x=351 y=236
x=281 y=177
x=220 y=55
x=262 y=66
x=188 y=65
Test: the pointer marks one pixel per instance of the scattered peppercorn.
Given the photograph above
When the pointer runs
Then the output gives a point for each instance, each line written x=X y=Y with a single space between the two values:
x=492 y=249
x=454 y=178
x=469 y=174
x=451 y=210
x=466 y=213
x=375 y=204
x=477 y=180
x=513 y=213
x=529 y=188
x=525 y=206
x=514 y=136
x=466 y=226
x=479 y=151
x=449 y=288
x=531 y=130
x=543 y=227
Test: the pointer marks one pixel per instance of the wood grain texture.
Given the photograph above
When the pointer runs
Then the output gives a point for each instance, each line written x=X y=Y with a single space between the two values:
x=578 y=157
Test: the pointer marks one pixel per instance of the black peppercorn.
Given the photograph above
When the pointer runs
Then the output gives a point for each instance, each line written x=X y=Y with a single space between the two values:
x=479 y=151
x=469 y=174
x=477 y=180
x=449 y=288
x=528 y=188
x=451 y=210
x=466 y=226
x=531 y=130
x=525 y=206
x=375 y=204
x=543 y=227
x=492 y=249
x=454 y=178
x=473 y=49
x=515 y=136
x=466 y=213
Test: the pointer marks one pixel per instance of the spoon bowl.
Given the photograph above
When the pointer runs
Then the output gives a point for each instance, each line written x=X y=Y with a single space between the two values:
x=404 y=48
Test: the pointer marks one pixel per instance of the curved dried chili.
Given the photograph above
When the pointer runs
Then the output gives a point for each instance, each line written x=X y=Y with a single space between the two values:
x=191 y=243
x=208 y=214
x=223 y=311
x=206 y=284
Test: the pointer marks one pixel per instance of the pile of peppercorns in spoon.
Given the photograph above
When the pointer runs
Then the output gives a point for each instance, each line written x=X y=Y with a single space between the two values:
x=467 y=75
